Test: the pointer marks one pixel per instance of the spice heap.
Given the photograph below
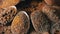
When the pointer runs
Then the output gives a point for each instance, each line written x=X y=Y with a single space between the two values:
x=29 y=16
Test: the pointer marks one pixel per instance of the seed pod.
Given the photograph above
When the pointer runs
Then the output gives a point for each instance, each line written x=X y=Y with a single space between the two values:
x=7 y=14
x=52 y=13
x=21 y=23
x=40 y=22
x=7 y=3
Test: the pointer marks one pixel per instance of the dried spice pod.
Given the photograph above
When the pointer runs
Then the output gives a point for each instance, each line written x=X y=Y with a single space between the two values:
x=21 y=23
x=7 y=3
x=52 y=13
x=7 y=14
x=52 y=2
x=40 y=22
x=55 y=29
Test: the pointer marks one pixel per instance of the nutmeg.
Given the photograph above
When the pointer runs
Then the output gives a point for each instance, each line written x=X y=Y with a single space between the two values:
x=52 y=13
x=21 y=23
x=40 y=22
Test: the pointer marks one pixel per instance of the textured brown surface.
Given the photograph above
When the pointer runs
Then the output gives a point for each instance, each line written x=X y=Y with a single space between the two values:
x=7 y=3
x=20 y=24
x=52 y=13
x=40 y=22
x=52 y=2
x=33 y=32
x=7 y=30
x=7 y=14
x=55 y=29
x=44 y=17
x=1 y=29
